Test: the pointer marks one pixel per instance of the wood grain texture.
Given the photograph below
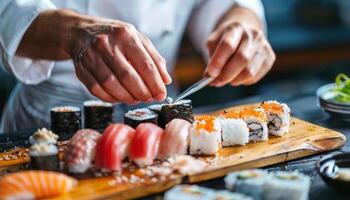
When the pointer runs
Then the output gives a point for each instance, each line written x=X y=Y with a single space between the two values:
x=303 y=139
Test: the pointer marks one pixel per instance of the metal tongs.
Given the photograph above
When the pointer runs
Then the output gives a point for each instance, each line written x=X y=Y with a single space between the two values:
x=192 y=89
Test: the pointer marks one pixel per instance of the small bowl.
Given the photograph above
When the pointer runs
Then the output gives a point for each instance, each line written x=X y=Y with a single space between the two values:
x=327 y=168
x=326 y=100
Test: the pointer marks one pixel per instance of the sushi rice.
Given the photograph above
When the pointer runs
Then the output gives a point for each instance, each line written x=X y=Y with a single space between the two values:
x=257 y=123
x=278 y=115
x=205 y=136
x=234 y=130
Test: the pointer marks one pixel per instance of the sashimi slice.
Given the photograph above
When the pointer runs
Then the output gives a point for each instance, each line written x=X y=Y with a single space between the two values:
x=145 y=144
x=175 y=139
x=35 y=184
x=113 y=146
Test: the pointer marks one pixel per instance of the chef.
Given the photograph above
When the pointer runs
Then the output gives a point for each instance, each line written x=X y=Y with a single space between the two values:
x=64 y=52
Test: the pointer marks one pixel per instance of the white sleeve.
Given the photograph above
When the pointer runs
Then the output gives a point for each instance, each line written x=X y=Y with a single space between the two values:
x=16 y=17
x=207 y=13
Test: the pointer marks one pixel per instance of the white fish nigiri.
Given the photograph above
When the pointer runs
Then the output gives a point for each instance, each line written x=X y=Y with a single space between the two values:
x=175 y=139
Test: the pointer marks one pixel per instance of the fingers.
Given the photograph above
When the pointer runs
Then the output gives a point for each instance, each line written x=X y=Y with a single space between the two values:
x=157 y=59
x=224 y=50
x=91 y=84
x=94 y=63
x=146 y=68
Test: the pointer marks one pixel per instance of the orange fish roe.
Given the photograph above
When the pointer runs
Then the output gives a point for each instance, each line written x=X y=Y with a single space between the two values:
x=272 y=106
x=232 y=114
x=253 y=111
x=205 y=122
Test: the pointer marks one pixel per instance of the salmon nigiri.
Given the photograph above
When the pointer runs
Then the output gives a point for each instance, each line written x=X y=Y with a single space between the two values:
x=113 y=146
x=144 y=146
x=35 y=184
x=175 y=138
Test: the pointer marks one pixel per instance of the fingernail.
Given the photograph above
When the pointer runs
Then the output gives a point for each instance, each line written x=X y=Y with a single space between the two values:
x=149 y=99
x=160 y=97
x=214 y=72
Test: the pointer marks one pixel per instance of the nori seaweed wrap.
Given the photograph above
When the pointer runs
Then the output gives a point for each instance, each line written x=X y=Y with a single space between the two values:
x=65 y=121
x=181 y=110
x=135 y=117
x=157 y=108
x=44 y=156
x=97 y=114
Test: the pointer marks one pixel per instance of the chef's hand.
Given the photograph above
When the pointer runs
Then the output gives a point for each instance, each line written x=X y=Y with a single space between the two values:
x=238 y=50
x=112 y=59
x=119 y=64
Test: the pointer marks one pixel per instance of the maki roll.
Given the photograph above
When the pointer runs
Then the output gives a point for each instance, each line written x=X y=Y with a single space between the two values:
x=65 y=121
x=278 y=115
x=43 y=136
x=189 y=192
x=249 y=182
x=97 y=114
x=205 y=136
x=44 y=156
x=157 y=109
x=142 y=115
x=181 y=110
x=257 y=123
x=287 y=185
x=234 y=130
x=175 y=139
x=81 y=150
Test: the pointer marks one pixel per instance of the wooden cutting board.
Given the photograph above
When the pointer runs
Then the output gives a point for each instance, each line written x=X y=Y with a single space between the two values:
x=303 y=139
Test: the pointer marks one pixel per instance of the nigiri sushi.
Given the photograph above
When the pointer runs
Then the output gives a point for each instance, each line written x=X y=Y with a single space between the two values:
x=35 y=185
x=205 y=136
x=113 y=146
x=175 y=138
x=234 y=130
x=144 y=146
x=278 y=115
x=257 y=123
x=81 y=150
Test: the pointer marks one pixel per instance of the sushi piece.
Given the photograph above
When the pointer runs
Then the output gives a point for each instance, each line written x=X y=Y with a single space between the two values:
x=226 y=195
x=142 y=115
x=43 y=136
x=257 y=123
x=35 y=185
x=65 y=121
x=113 y=146
x=175 y=138
x=234 y=130
x=81 y=150
x=145 y=145
x=278 y=115
x=97 y=114
x=248 y=182
x=157 y=109
x=287 y=185
x=205 y=136
x=44 y=156
x=189 y=192
x=181 y=110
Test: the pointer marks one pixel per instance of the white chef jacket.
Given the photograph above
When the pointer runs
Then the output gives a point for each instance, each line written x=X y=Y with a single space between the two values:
x=44 y=84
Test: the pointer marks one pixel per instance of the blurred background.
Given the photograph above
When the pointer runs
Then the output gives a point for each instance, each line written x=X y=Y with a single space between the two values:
x=312 y=42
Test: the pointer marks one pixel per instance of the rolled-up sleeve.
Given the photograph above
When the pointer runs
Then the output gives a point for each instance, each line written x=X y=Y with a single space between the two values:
x=207 y=13
x=15 y=18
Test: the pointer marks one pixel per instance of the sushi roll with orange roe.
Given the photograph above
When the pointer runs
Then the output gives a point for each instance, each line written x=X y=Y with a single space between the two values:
x=278 y=115
x=257 y=123
x=234 y=130
x=205 y=136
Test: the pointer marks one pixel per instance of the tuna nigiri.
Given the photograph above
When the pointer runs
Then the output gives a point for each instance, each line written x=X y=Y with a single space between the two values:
x=144 y=146
x=113 y=146
x=175 y=139
x=81 y=150
x=35 y=184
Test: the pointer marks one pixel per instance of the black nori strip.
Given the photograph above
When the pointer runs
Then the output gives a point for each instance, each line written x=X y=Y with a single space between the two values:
x=135 y=122
x=65 y=123
x=98 y=117
x=48 y=162
x=157 y=109
x=179 y=110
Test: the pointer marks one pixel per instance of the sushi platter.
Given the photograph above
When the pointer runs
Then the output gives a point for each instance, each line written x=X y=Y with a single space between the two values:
x=161 y=146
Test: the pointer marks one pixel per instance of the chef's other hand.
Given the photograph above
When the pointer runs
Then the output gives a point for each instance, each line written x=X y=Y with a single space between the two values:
x=119 y=64
x=239 y=51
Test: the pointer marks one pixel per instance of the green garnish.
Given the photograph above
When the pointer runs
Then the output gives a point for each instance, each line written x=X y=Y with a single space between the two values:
x=342 y=88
